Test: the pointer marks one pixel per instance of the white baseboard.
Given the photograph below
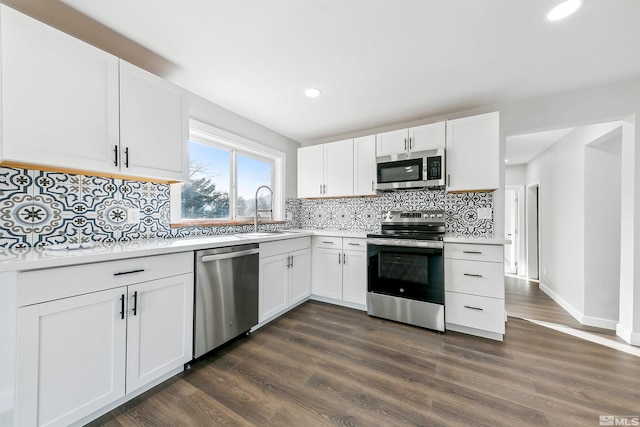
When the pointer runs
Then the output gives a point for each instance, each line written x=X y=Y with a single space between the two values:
x=628 y=335
x=561 y=302
x=596 y=322
x=599 y=322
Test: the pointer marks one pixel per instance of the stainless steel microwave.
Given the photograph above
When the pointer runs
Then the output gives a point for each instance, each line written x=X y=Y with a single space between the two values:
x=412 y=170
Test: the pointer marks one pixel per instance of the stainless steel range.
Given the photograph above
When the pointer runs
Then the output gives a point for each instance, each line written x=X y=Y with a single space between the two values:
x=406 y=269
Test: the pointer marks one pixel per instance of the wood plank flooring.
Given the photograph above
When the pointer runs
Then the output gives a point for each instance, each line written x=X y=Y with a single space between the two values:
x=324 y=365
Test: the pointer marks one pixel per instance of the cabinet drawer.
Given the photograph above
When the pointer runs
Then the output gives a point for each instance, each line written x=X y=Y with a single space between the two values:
x=327 y=242
x=278 y=247
x=473 y=252
x=472 y=311
x=354 y=244
x=474 y=277
x=55 y=283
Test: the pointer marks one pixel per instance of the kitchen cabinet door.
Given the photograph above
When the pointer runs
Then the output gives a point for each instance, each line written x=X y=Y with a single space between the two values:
x=59 y=97
x=364 y=166
x=160 y=328
x=273 y=286
x=392 y=142
x=354 y=277
x=327 y=273
x=472 y=158
x=299 y=276
x=338 y=168
x=71 y=357
x=154 y=126
x=427 y=137
x=311 y=171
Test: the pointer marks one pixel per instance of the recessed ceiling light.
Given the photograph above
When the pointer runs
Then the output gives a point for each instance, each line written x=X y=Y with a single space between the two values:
x=564 y=9
x=312 y=92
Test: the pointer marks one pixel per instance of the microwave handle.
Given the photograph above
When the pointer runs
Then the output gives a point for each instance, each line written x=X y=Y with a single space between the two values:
x=448 y=180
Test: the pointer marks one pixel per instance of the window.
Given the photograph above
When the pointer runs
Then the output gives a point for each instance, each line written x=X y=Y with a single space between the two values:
x=225 y=172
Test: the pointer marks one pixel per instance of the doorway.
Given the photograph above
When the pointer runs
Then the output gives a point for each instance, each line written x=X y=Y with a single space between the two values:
x=533 y=231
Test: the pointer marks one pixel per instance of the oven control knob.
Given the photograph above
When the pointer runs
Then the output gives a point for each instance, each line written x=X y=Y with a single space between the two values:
x=439 y=215
x=432 y=215
x=401 y=290
x=388 y=216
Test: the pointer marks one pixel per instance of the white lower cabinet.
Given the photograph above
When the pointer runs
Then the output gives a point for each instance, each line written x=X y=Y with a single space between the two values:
x=340 y=270
x=77 y=354
x=285 y=276
x=474 y=289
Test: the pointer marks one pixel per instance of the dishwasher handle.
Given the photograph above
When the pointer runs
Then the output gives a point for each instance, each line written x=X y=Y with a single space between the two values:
x=208 y=258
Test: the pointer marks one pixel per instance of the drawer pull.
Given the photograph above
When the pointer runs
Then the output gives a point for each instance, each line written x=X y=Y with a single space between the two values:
x=472 y=252
x=353 y=244
x=128 y=272
x=135 y=303
x=470 y=307
x=473 y=275
x=122 y=306
x=331 y=243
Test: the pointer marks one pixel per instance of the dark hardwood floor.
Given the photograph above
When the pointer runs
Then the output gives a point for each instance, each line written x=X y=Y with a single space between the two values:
x=326 y=365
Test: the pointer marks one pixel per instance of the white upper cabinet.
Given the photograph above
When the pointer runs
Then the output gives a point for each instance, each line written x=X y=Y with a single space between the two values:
x=59 y=97
x=326 y=170
x=154 y=127
x=338 y=168
x=67 y=104
x=473 y=162
x=364 y=166
x=427 y=137
x=404 y=141
x=392 y=142
x=311 y=171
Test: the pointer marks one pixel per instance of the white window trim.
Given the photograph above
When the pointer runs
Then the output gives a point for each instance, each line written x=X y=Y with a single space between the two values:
x=207 y=134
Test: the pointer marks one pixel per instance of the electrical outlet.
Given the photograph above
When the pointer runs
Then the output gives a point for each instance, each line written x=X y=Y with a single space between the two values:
x=289 y=216
x=133 y=215
x=487 y=213
x=480 y=213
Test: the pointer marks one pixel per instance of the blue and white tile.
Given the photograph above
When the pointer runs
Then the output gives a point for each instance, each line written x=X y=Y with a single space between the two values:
x=15 y=181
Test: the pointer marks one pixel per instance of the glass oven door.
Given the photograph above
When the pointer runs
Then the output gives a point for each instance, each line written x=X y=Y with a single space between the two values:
x=407 y=272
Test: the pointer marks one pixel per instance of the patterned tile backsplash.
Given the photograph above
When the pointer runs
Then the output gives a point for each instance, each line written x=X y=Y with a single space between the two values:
x=41 y=208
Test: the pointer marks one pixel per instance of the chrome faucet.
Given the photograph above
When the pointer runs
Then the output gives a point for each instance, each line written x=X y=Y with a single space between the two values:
x=255 y=218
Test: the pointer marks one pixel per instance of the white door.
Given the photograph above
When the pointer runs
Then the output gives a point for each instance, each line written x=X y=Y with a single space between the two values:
x=299 y=276
x=427 y=137
x=160 y=328
x=354 y=277
x=154 y=128
x=392 y=142
x=511 y=231
x=338 y=168
x=364 y=166
x=472 y=157
x=59 y=97
x=273 y=286
x=311 y=171
x=327 y=273
x=71 y=357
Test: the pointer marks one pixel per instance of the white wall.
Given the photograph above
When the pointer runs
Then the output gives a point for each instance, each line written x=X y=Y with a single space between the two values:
x=515 y=175
x=602 y=233
x=560 y=170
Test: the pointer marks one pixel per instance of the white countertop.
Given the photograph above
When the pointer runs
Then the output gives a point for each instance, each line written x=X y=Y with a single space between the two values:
x=35 y=258
x=476 y=240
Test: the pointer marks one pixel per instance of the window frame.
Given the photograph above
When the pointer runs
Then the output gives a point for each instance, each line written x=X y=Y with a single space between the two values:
x=206 y=134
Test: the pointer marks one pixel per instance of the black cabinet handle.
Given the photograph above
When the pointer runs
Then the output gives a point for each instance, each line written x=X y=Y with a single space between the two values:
x=291 y=261
x=115 y=154
x=339 y=262
x=344 y=258
x=135 y=302
x=473 y=308
x=126 y=157
x=472 y=252
x=473 y=275
x=122 y=306
x=128 y=272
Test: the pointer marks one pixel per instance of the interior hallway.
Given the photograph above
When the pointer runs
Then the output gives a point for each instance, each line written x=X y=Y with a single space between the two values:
x=525 y=300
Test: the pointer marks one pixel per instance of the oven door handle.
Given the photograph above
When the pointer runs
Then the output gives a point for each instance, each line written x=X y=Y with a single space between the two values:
x=436 y=244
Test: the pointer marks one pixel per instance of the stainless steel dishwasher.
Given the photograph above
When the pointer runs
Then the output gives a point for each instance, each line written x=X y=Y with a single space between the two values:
x=226 y=295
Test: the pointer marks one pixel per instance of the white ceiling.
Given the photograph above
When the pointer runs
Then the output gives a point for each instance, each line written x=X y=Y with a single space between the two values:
x=521 y=149
x=377 y=62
